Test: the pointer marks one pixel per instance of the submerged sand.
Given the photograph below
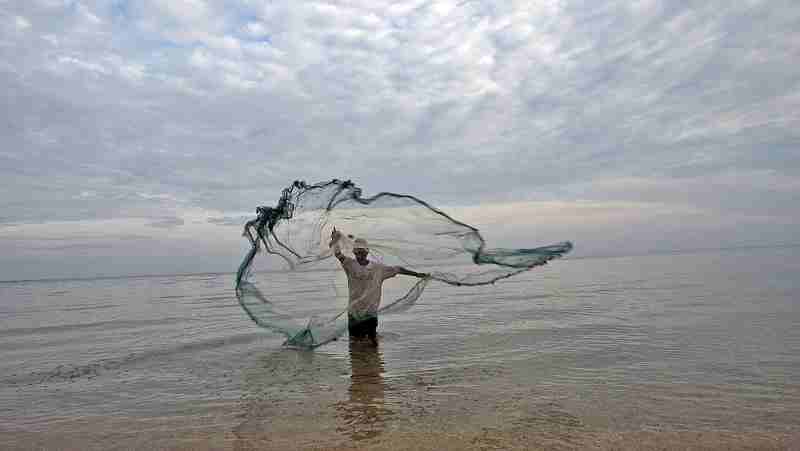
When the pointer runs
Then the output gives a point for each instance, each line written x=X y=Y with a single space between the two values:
x=486 y=439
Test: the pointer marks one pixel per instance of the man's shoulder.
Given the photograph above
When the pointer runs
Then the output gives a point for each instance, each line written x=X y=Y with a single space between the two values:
x=387 y=269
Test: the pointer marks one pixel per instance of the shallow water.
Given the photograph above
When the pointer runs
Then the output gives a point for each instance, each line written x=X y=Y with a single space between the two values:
x=702 y=341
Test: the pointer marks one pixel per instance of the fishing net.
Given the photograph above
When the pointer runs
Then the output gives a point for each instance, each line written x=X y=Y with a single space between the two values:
x=401 y=230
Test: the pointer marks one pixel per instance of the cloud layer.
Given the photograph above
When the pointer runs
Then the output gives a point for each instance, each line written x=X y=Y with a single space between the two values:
x=123 y=109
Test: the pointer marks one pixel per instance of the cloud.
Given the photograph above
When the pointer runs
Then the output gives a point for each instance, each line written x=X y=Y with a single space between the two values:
x=231 y=220
x=167 y=223
x=21 y=23
x=156 y=107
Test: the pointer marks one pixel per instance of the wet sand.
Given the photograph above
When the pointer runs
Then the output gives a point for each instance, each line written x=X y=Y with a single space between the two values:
x=157 y=435
x=294 y=399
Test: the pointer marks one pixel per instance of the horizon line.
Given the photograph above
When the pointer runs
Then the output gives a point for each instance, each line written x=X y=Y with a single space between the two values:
x=218 y=273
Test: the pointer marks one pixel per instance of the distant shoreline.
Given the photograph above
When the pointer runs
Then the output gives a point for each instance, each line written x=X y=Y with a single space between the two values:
x=568 y=257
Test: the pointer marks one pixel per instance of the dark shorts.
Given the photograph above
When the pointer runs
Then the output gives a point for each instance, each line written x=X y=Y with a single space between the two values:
x=362 y=328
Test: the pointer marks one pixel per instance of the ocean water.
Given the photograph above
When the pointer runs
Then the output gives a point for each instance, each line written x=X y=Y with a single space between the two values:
x=673 y=342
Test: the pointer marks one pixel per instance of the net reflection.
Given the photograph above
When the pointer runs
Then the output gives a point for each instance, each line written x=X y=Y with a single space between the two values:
x=363 y=415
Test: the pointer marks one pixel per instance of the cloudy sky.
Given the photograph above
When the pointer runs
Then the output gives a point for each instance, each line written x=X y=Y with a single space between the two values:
x=137 y=133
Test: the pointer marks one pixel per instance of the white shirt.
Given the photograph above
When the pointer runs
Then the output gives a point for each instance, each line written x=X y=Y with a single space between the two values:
x=365 y=283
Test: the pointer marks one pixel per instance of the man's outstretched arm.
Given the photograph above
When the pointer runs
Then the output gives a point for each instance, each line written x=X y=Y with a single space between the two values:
x=408 y=272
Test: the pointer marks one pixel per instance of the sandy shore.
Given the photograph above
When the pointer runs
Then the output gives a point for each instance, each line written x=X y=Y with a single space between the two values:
x=479 y=440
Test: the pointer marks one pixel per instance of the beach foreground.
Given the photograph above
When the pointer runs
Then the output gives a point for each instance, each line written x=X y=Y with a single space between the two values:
x=157 y=436
x=687 y=352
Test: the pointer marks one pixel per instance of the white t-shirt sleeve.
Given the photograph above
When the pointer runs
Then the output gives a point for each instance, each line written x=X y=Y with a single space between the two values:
x=389 y=271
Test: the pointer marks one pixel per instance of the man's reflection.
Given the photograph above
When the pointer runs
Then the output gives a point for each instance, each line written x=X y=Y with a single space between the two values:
x=364 y=415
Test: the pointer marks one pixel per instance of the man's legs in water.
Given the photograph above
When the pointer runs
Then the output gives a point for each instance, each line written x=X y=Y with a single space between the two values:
x=363 y=328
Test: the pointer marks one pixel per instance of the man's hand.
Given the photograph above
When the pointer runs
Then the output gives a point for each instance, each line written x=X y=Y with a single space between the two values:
x=334 y=244
x=335 y=236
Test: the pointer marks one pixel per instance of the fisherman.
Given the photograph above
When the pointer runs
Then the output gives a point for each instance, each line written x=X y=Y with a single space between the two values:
x=365 y=283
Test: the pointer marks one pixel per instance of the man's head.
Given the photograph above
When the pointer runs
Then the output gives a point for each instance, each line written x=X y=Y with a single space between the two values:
x=360 y=248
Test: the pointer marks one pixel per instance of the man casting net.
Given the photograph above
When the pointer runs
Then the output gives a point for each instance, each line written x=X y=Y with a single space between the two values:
x=313 y=223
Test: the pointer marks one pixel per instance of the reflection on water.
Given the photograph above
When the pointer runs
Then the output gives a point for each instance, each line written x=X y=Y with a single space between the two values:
x=282 y=394
x=285 y=390
x=364 y=415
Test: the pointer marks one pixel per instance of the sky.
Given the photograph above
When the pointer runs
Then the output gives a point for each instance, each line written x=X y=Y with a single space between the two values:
x=138 y=135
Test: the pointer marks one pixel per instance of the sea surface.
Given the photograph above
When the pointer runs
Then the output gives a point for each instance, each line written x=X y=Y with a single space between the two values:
x=702 y=341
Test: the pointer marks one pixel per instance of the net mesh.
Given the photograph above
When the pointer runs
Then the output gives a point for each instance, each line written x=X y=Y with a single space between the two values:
x=401 y=230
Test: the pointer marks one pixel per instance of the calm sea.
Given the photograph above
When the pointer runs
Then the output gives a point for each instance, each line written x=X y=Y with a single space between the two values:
x=686 y=341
